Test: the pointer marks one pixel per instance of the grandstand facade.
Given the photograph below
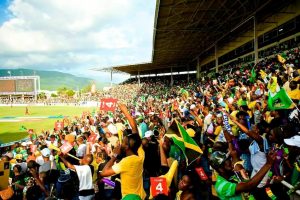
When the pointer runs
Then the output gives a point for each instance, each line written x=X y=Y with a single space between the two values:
x=198 y=37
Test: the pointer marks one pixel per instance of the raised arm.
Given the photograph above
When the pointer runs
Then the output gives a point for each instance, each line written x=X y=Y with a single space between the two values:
x=131 y=121
x=67 y=164
x=199 y=121
x=251 y=134
x=163 y=157
x=253 y=182
x=107 y=170
x=232 y=150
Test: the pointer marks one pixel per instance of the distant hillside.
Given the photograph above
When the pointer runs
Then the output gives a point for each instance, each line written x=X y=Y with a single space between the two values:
x=51 y=80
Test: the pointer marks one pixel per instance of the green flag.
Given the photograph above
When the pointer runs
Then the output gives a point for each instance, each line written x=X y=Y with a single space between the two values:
x=188 y=146
x=279 y=101
x=184 y=93
x=22 y=128
x=252 y=75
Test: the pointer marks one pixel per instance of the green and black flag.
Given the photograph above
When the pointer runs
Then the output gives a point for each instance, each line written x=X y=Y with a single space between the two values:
x=181 y=138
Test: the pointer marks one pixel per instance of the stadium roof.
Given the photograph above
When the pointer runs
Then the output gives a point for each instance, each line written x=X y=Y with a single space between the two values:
x=184 y=29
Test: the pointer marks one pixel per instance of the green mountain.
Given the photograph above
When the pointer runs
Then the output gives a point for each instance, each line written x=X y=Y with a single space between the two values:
x=52 y=80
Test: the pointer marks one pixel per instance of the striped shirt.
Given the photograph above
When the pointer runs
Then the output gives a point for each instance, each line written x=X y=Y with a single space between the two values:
x=226 y=189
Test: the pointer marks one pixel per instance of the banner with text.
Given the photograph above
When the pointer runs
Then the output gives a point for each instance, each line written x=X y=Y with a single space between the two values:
x=108 y=104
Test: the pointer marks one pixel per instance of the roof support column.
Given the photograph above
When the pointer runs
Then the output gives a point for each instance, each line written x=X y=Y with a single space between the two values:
x=216 y=57
x=172 y=81
x=255 y=40
x=198 y=69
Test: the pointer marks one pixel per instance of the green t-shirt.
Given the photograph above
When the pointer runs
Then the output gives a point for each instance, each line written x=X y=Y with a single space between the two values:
x=241 y=102
x=226 y=189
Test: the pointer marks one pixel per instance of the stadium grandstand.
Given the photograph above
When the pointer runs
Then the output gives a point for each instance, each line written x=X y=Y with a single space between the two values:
x=197 y=37
x=19 y=87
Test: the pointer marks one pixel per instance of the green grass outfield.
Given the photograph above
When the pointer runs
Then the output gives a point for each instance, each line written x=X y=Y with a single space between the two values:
x=9 y=131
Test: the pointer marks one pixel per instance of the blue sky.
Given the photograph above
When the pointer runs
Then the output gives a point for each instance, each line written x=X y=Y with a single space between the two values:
x=74 y=36
x=4 y=14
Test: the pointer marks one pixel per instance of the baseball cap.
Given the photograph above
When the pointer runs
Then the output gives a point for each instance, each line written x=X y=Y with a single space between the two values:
x=217 y=158
x=148 y=134
x=293 y=141
x=24 y=144
x=191 y=132
x=46 y=152
x=19 y=156
x=193 y=106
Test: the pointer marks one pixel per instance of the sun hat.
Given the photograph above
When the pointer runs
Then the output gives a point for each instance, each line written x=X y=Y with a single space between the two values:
x=46 y=152
x=293 y=141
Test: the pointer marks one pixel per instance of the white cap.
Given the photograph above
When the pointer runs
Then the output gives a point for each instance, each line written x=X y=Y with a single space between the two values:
x=293 y=141
x=46 y=152
x=192 y=106
x=148 y=134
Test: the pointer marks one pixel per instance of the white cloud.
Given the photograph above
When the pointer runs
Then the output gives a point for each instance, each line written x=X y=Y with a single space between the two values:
x=75 y=34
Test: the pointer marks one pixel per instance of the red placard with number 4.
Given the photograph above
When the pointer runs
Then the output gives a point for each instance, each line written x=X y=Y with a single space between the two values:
x=158 y=186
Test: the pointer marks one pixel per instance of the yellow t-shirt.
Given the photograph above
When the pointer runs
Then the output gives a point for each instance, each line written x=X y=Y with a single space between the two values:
x=294 y=94
x=252 y=104
x=95 y=165
x=130 y=169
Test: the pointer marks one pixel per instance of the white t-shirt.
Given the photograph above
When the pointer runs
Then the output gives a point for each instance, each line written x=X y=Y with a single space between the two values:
x=85 y=177
x=48 y=142
x=40 y=160
x=258 y=159
x=113 y=140
x=81 y=150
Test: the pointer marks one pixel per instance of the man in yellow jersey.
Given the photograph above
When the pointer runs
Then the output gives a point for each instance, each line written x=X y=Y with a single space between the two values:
x=130 y=167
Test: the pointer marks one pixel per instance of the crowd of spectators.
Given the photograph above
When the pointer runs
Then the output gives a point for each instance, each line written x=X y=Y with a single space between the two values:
x=233 y=135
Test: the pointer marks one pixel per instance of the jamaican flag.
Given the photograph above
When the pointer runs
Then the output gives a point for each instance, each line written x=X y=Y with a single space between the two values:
x=281 y=59
x=184 y=93
x=182 y=139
